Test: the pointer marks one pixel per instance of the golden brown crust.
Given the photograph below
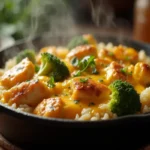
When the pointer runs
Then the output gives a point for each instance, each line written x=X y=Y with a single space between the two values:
x=21 y=72
x=82 y=51
x=51 y=107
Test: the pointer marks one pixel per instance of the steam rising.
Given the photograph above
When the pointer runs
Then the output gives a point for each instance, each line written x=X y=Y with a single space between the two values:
x=102 y=13
x=54 y=18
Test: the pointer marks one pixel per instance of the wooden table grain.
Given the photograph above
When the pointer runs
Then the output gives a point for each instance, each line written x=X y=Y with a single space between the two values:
x=6 y=145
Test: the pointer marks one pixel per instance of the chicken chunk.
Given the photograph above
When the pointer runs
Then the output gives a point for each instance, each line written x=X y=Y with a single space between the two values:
x=30 y=93
x=51 y=107
x=19 y=73
x=114 y=71
x=101 y=63
x=141 y=73
x=126 y=54
x=82 y=51
x=87 y=90
x=62 y=52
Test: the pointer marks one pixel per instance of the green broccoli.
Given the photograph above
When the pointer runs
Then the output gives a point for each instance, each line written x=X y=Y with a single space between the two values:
x=124 y=99
x=77 y=41
x=26 y=53
x=53 y=66
x=84 y=64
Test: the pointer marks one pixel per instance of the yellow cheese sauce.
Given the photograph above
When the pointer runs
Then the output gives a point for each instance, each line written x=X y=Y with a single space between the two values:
x=84 y=93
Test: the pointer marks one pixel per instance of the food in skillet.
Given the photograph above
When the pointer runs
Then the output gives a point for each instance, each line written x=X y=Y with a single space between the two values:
x=86 y=80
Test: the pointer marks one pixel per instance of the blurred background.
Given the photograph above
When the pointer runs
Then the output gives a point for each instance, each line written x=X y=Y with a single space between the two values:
x=21 y=19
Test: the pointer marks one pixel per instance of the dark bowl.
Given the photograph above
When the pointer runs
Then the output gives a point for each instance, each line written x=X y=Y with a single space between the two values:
x=29 y=131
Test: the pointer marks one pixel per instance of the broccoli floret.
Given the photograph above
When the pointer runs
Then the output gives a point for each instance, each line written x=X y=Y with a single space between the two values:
x=37 y=68
x=81 y=40
x=124 y=99
x=26 y=53
x=53 y=66
x=77 y=41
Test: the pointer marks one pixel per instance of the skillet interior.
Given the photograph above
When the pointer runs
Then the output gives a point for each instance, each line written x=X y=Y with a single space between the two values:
x=25 y=123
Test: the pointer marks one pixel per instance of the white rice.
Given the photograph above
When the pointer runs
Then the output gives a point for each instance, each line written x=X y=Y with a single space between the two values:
x=146 y=109
x=96 y=117
x=22 y=107
x=103 y=114
x=85 y=114
x=105 y=117
x=145 y=100
x=143 y=57
x=108 y=46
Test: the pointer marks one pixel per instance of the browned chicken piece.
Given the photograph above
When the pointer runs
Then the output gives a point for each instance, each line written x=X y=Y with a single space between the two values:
x=30 y=93
x=21 y=72
x=102 y=63
x=82 y=51
x=51 y=107
x=114 y=72
x=87 y=90
x=126 y=54
x=62 y=52
x=141 y=73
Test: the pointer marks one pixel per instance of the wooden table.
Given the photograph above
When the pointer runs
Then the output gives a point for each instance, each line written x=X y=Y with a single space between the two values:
x=6 y=145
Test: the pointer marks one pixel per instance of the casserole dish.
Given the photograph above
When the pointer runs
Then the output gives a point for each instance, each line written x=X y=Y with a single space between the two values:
x=29 y=131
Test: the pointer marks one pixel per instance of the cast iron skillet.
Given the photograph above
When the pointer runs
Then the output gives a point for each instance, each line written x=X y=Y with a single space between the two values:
x=29 y=131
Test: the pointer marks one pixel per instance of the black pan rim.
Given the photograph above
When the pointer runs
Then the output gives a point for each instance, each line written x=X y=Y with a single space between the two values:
x=29 y=116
